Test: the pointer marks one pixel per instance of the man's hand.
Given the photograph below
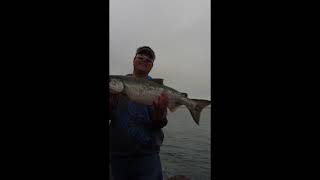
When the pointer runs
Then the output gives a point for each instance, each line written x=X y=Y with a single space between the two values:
x=160 y=106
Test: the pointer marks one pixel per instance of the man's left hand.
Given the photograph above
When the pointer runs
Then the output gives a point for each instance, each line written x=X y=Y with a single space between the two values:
x=160 y=106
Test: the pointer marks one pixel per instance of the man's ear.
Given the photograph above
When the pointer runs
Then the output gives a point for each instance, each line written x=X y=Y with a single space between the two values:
x=134 y=60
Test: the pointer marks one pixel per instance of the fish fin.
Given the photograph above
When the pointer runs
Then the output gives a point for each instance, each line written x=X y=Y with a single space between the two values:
x=158 y=81
x=173 y=106
x=196 y=110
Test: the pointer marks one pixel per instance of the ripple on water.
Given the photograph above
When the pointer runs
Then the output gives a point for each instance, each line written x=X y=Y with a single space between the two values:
x=186 y=148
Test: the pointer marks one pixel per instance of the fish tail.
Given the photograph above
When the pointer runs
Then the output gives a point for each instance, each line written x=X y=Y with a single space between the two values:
x=196 y=107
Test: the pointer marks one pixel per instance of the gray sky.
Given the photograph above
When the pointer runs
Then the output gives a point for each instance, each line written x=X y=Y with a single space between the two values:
x=177 y=30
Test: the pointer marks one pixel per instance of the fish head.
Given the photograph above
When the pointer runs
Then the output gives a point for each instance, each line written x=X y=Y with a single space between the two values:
x=116 y=85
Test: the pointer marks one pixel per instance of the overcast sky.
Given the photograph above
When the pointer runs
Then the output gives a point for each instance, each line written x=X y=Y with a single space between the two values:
x=177 y=30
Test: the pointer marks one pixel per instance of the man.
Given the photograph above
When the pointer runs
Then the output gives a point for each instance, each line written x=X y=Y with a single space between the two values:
x=135 y=129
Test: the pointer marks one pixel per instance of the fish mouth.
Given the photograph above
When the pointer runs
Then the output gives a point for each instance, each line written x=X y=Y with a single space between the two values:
x=115 y=86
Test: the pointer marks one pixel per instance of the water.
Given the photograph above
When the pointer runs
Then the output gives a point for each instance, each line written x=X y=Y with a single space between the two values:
x=186 y=147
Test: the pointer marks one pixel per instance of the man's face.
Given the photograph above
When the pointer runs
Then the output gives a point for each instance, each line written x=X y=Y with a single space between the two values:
x=142 y=63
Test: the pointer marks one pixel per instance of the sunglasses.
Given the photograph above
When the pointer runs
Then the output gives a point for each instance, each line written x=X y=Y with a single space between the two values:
x=144 y=58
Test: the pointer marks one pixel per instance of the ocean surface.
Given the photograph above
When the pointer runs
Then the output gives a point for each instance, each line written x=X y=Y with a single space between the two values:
x=186 y=147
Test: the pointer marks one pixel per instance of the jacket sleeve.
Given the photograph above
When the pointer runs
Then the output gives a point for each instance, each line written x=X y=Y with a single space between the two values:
x=160 y=124
x=113 y=101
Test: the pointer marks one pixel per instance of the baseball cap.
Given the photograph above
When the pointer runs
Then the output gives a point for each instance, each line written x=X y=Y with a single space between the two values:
x=147 y=51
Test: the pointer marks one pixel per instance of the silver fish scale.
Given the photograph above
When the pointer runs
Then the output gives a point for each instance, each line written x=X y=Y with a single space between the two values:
x=137 y=89
x=146 y=83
